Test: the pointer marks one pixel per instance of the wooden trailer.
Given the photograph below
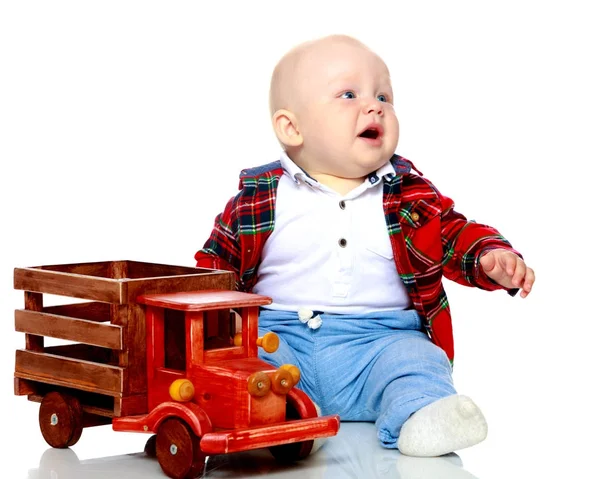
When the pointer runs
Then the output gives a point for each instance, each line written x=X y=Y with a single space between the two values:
x=104 y=363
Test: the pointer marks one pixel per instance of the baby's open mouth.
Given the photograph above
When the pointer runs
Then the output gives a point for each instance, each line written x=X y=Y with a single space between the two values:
x=372 y=132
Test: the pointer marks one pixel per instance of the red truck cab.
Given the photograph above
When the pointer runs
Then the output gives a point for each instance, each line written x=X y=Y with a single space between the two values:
x=209 y=393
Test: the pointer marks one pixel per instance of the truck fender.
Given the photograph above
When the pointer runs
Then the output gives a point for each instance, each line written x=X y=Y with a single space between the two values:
x=302 y=403
x=192 y=414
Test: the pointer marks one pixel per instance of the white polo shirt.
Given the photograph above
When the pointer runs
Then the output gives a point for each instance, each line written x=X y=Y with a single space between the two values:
x=330 y=252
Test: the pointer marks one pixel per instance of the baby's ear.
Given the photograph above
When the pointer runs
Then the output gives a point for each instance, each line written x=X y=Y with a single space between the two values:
x=285 y=125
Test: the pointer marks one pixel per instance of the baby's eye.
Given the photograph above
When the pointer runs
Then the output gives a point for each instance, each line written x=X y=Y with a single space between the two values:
x=349 y=95
x=382 y=98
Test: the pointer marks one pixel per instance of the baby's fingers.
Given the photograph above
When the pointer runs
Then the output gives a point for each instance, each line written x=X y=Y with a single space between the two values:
x=528 y=282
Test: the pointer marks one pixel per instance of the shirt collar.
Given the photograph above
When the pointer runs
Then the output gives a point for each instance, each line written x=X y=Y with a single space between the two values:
x=387 y=171
x=295 y=171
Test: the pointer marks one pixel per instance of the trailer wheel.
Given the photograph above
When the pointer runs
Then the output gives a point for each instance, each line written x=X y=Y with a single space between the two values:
x=178 y=450
x=61 y=419
x=295 y=451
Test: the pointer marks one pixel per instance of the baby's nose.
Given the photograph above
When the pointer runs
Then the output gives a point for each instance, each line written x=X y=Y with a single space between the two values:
x=373 y=106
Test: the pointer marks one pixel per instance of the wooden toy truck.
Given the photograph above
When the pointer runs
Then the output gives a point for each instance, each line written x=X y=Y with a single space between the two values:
x=159 y=349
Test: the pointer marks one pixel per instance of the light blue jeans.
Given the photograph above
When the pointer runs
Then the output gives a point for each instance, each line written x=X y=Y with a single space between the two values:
x=377 y=367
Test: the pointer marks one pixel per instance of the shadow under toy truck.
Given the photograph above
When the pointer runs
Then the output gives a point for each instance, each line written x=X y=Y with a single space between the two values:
x=159 y=349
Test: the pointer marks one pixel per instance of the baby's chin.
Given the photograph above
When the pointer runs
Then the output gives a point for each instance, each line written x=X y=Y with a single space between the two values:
x=369 y=165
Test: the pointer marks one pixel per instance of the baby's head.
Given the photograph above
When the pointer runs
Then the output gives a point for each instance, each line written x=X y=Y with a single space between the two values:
x=332 y=108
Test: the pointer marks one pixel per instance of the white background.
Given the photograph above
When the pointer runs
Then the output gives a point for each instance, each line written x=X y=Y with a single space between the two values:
x=123 y=126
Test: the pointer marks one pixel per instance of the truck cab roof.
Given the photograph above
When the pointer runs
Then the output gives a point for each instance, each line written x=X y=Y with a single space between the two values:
x=203 y=300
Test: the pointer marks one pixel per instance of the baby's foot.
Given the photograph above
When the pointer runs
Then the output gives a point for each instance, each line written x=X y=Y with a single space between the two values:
x=444 y=426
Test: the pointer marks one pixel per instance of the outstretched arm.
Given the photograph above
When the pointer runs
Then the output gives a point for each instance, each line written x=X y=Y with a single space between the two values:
x=465 y=245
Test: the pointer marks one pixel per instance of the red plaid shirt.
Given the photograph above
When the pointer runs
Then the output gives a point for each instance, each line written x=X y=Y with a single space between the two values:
x=429 y=240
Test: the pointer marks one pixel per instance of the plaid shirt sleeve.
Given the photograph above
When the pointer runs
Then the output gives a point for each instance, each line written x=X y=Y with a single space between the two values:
x=464 y=243
x=222 y=249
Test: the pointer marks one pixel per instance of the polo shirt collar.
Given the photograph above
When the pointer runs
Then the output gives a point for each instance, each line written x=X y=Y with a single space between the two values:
x=387 y=171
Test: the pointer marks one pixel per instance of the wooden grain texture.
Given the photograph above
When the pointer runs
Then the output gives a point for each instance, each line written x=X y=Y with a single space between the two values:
x=139 y=269
x=190 y=412
x=68 y=284
x=135 y=338
x=69 y=372
x=204 y=300
x=34 y=302
x=222 y=391
x=264 y=436
x=224 y=354
x=118 y=282
x=61 y=419
x=92 y=410
x=131 y=405
x=194 y=340
x=158 y=392
x=124 y=269
x=23 y=387
x=85 y=352
x=63 y=327
x=172 y=284
x=96 y=268
x=93 y=403
x=188 y=460
x=155 y=340
x=118 y=269
x=90 y=310
x=250 y=318
x=119 y=314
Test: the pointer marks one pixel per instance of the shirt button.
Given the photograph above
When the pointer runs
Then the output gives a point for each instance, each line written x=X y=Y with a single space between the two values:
x=414 y=216
x=342 y=242
x=343 y=205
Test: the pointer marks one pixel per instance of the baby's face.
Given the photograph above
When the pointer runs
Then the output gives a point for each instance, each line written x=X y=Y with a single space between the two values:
x=345 y=111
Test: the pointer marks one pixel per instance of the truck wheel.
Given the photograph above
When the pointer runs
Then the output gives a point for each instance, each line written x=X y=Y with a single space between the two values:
x=150 y=447
x=295 y=451
x=178 y=450
x=61 y=419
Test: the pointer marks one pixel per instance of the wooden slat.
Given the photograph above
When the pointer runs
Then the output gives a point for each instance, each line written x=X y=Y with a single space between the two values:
x=68 y=284
x=139 y=269
x=74 y=373
x=85 y=352
x=118 y=269
x=97 y=268
x=118 y=317
x=91 y=310
x=172 y=284
x=136 y=350
x=131 y=405
x=63 y=327
x=34 y=302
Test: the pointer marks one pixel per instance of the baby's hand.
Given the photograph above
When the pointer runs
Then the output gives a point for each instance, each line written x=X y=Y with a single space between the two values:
x=508 y=270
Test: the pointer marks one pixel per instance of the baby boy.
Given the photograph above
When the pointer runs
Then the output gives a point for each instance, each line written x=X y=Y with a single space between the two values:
x=351 y=242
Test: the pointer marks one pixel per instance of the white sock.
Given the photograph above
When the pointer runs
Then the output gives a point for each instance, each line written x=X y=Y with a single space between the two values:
x=444 y=426
x=449 y=466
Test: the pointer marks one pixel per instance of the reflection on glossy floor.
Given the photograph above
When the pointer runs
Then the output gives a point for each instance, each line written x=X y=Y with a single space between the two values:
x=353 y=453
